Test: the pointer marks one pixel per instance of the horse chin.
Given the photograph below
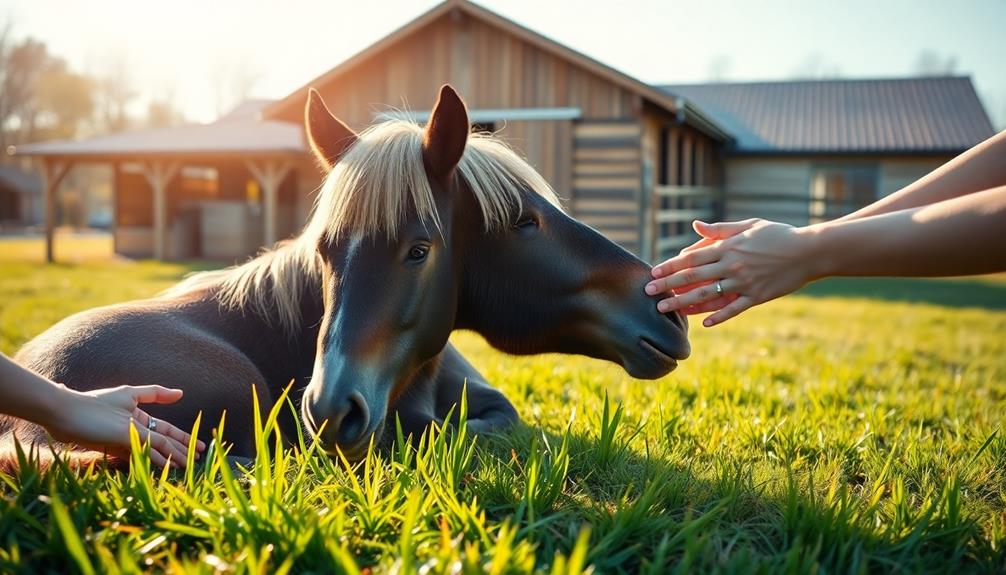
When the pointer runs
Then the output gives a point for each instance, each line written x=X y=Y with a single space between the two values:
x=648 y=360
x=357 y=451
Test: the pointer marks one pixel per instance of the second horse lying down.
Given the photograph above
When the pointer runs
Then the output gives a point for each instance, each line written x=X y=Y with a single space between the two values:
x=416 y=232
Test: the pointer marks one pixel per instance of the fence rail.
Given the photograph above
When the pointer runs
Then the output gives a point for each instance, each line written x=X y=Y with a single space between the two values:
x=678 y=207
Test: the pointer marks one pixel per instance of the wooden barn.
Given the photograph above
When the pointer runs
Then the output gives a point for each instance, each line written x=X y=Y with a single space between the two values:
x=637 y=162
x=807 y=151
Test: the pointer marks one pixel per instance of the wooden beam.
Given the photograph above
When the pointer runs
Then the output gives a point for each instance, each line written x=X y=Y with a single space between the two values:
x=270 y=175
x=116 y=184
x=159 y=175
x=52 y=174
x=687 y=176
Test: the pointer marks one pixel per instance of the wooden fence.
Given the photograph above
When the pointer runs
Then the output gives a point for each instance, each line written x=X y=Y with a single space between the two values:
x=680 y=206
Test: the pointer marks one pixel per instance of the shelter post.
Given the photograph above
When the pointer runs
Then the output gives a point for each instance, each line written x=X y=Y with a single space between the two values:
x=159 y=175
x=270 y=174
x=53 y=172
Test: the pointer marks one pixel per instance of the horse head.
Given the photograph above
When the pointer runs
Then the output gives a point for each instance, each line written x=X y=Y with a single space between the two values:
x=425 y=230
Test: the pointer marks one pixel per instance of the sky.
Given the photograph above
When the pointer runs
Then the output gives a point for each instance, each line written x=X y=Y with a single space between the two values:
x=197 y=52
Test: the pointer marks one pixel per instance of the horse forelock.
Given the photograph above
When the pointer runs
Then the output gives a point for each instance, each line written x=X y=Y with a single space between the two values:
x=376 y=183
x=369 y=191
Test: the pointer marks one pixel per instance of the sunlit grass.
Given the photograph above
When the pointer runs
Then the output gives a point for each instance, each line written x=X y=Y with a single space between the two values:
x=825 y=431
x=68 y=247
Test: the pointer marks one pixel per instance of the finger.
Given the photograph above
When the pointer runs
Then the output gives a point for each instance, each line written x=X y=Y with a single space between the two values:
x=694 y=297
x=167 y=449
x=178 y=435
x=711 y=305
x=141 y=418
x=161 y=434
x=732 y=310
x=697 y=257
x=179 y=445
x=164 y=428
x=722 y=230
x=689 y=277
x=699 y=244
x=690 y=287
x=158 y=459
x=155 y=394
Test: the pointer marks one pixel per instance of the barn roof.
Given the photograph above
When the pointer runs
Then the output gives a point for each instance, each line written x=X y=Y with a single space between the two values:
x=911 y=115
x=13 y=177
x=692 y=114
x=230 y=135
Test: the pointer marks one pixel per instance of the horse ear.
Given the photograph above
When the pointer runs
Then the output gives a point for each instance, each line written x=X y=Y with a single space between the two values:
x=446 y=132
x=329 y=136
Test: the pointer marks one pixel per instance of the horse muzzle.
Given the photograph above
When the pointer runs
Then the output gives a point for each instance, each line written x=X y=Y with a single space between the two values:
x=344 y=420
x=650 y=343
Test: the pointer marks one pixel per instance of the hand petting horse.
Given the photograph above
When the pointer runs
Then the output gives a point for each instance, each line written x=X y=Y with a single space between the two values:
x=416 y=232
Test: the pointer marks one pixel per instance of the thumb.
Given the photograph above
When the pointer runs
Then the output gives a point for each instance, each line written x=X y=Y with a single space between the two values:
x=722 y=230
x=155 y=394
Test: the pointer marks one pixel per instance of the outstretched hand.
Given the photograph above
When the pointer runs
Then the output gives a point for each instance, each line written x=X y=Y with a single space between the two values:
x=752 y=261
x=100 y=420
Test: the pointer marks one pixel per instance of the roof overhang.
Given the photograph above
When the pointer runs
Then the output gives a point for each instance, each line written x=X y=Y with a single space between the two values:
x=480 y=116
x=217 y=140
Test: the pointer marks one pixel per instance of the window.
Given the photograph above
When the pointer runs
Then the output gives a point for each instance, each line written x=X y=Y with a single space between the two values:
x=839 y=190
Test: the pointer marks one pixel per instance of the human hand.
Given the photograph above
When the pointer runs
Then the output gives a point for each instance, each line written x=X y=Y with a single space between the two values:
x=100 y=420
x=752 y=261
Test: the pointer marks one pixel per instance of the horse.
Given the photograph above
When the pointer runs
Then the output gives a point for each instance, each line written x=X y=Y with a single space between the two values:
x=415 y=232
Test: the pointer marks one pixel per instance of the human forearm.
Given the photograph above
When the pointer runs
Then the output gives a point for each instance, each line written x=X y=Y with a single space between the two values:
x=960 y=236
x=981 y=168
x=28 y=395
x=97 y=419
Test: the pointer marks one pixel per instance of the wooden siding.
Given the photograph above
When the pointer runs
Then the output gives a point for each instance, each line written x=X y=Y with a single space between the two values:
x=607 y=179
x=779 y=188
x=896 y=173
x=676 y=155
x=548 y=147
x=489 y=67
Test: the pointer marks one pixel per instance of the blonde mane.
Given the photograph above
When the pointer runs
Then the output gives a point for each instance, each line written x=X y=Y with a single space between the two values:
x=369 y=191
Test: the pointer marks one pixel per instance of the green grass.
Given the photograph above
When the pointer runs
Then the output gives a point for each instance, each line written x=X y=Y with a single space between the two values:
x=854 y=427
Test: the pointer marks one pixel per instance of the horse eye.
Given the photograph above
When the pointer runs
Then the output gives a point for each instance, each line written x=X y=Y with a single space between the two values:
x=526 y=223
x=418 y=253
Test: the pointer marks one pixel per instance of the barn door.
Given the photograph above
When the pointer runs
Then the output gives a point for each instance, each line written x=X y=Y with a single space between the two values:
x=606 y=179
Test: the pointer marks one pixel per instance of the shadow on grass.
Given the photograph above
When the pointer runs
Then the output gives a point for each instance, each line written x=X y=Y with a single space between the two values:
x=957 y=293
x=649 y=514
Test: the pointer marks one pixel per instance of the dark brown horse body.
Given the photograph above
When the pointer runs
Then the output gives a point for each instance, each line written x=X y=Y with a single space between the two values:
x=361 y=324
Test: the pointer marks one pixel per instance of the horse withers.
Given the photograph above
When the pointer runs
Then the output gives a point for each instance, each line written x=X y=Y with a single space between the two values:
x=416 y=232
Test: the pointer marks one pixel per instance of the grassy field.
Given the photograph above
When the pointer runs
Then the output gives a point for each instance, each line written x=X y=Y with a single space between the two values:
x=855 y=427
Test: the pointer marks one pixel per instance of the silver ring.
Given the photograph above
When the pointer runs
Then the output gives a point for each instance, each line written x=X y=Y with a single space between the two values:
x=719 y=288
x=152 y=424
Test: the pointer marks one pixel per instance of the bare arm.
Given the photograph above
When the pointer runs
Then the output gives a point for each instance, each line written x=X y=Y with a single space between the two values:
x=756 y=261
x=980 y=168
x=961 y=236
x=99 y=419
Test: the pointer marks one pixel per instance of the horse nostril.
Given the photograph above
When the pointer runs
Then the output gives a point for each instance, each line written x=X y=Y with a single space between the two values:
x=679 y=320
x=354 y=421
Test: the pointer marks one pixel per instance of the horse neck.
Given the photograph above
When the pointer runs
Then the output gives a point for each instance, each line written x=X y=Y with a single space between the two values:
x=279 y=353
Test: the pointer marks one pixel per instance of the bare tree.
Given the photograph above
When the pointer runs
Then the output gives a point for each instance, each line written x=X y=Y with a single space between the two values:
x=234 y=81
x=5 y=38
x=932 y=63
x=816 y=66
x=64 y=100
x=719 y=66
x=162 y=111
x=114 y=94
x=23 y=64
